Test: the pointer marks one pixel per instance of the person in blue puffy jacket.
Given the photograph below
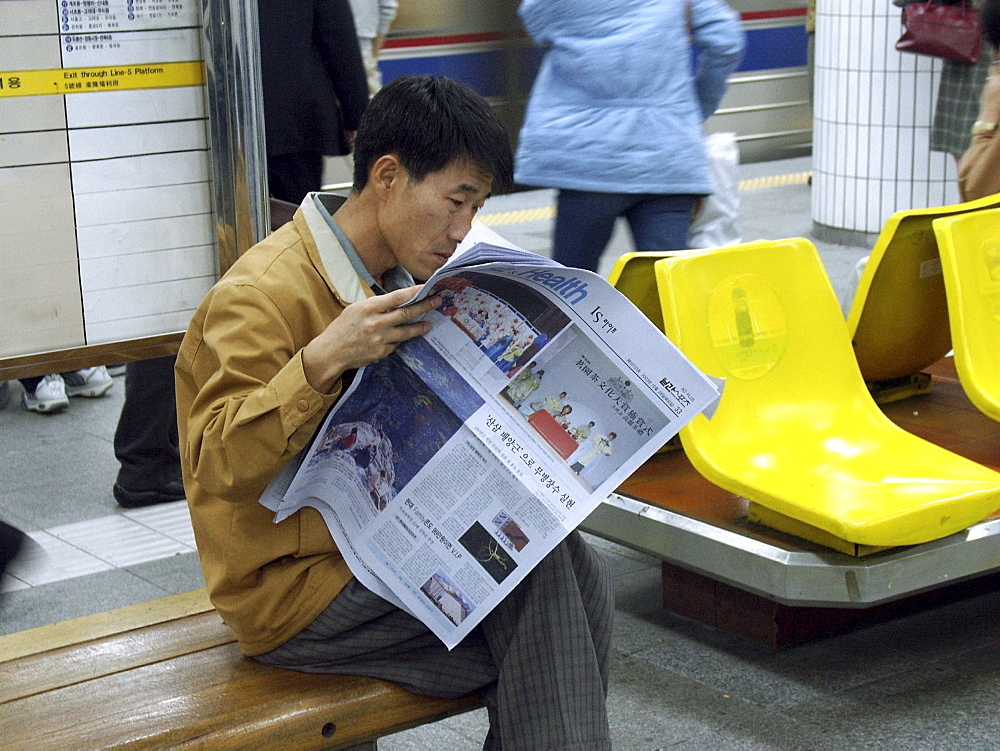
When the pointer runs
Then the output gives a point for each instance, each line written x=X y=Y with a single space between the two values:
x=616 y=115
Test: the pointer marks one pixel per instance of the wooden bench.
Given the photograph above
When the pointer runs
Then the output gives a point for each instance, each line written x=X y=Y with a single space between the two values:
x=169 y=674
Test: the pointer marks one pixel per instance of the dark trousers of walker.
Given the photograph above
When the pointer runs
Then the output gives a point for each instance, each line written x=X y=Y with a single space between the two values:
x=146 y=438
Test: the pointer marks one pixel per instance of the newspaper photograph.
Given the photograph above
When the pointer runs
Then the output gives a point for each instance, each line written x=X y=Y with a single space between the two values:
x=450 y=468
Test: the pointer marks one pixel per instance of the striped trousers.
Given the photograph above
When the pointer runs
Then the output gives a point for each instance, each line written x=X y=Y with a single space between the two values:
x=540 y=658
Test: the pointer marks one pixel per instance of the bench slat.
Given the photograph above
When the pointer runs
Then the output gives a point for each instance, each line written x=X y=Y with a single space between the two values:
x=213 y=699
x=108 y=623
x=111 y=654
x=172 y=676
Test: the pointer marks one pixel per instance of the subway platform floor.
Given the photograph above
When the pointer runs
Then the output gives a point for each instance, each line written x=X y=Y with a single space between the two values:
x=924 y=681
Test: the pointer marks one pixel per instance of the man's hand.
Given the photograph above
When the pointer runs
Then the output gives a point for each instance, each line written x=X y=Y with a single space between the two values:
x=365 y=332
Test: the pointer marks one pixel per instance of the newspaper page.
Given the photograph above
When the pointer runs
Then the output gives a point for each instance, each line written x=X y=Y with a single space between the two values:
x=451 y=467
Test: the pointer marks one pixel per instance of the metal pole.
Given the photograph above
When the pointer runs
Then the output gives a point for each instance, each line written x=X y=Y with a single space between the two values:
x=236 y=125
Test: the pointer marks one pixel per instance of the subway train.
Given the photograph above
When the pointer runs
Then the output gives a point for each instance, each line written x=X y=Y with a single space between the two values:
x=768 y=104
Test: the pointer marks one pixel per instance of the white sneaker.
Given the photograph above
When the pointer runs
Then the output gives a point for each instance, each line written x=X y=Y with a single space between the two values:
x=49 y=395
x=88 y=382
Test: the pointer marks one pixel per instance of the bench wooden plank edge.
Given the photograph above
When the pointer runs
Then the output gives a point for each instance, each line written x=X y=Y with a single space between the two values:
x=110 y=655
x=85 y=628
x=289 y=711
x=258 y=708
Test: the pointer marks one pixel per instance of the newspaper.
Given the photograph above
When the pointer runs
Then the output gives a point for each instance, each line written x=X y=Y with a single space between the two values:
x=451 y=467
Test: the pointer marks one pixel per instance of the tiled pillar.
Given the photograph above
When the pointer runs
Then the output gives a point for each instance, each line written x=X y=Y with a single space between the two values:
x=872 y=121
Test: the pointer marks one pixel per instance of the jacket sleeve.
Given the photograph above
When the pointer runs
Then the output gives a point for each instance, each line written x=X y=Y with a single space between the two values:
x=337 y=39
x=252 y=408
x=716 y=30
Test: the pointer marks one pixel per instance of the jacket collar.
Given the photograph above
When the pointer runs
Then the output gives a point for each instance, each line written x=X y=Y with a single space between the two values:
x=326 y=252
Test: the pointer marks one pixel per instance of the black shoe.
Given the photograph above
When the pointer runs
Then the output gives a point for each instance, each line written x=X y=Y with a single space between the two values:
x=171 y=491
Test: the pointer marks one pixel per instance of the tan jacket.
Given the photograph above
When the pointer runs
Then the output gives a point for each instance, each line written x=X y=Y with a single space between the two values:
x=244 y=409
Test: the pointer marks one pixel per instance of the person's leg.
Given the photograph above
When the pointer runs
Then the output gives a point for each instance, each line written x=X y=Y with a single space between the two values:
x=372 y=74
x=29 y=384
x=551 y=639
x=146 y=437
x=359 y=633
x=661 y=222
x=541 y=658
x=583 y=226
x=291 y=176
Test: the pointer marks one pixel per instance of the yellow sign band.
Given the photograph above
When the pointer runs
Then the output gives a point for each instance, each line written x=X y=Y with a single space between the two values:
x=107 y=78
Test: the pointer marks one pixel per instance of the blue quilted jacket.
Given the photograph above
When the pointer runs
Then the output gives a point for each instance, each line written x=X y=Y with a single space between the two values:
x=617 y=106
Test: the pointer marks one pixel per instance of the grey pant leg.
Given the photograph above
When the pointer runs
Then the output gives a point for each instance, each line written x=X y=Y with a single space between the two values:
x=551 y=638
x=359 y=633
x=541 y=657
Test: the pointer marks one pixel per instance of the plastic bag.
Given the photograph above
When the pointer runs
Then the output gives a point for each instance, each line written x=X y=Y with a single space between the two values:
x=715 y=224
x=853 y=282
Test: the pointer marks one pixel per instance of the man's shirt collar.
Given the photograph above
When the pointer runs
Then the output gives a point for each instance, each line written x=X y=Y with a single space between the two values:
x=395 y=278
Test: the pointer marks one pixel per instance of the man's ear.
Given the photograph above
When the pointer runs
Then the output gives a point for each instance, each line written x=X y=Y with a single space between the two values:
x=386 y=172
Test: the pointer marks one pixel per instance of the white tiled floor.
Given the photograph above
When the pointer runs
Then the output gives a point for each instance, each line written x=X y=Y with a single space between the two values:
x=108 y=542
x=169 y=519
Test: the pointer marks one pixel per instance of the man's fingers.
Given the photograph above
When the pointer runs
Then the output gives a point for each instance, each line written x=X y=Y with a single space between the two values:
x=380 y=325
x=397 y=297
x=406 y=331
x=391 y=302
x=413 y=311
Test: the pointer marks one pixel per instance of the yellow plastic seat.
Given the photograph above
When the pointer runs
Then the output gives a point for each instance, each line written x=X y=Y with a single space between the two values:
x=634 y=276
x=970 y=258
x=796 y=430
x=898 y=322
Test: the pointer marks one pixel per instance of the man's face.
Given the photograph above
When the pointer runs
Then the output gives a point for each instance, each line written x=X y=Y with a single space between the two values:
x=423 y=222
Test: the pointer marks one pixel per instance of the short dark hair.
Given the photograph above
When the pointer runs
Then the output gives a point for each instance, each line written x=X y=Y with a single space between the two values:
x=428 y=122
x=989 y=19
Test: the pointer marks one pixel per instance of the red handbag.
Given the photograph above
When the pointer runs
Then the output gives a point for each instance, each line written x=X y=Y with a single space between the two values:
x=951 y=32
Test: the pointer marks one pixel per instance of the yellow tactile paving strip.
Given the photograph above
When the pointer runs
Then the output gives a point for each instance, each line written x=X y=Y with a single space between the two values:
x=775 y=181
x=549 y=212
x=516 y=217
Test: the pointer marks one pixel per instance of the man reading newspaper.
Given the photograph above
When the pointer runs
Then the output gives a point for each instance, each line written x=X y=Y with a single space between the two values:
x=270 y=350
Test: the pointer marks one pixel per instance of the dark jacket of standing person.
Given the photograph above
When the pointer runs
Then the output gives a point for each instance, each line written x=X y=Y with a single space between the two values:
x=312 y=75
